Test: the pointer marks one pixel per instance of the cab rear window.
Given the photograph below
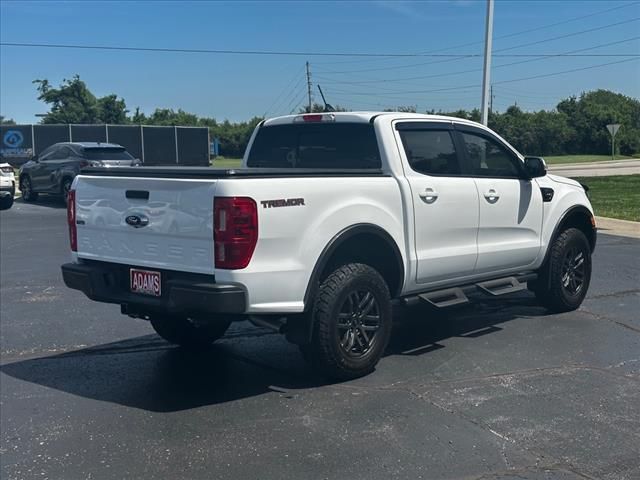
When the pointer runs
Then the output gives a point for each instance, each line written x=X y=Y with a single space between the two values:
x=317 y=145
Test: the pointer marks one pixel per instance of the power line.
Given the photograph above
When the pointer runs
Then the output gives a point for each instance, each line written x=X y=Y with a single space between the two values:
x=571 y=54
x=240 y=52
x=300 y=101
x=535 y=29
x=296 y=100
x=565 y=71
x=521 y=32
x=567 y=35
x=448 y=89
x=497 y=54
x=310 y=54
x=286 y=88
x=292 y=92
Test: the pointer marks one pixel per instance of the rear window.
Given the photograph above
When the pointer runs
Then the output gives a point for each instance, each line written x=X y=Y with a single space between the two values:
x=318 y=145
x=107 y=154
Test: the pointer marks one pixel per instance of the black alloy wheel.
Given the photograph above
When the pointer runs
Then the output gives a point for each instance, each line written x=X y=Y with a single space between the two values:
x=358 y=323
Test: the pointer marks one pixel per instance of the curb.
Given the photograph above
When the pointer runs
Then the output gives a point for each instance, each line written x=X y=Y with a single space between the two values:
x=622 y=228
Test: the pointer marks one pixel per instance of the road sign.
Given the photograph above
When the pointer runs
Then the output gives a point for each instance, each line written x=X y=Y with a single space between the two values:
x=613 y=129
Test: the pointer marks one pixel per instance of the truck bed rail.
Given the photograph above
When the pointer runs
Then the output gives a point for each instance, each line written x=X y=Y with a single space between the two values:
x=214 y=173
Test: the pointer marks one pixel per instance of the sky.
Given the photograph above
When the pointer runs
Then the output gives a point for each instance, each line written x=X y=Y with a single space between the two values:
x=239 y=86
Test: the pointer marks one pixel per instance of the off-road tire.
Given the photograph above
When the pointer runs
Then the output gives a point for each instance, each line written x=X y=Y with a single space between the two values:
x=550 y=288
x=329 y=351
x=26 y=187
x=181 y=331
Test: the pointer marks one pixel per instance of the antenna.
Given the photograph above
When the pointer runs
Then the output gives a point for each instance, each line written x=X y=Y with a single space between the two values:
x=327 y=107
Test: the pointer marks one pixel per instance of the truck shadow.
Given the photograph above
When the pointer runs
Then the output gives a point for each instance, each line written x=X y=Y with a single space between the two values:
x=146 y=373
x=49 y=201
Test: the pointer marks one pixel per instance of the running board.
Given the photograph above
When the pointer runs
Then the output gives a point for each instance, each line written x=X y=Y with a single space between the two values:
x=450 y=297
x=502 y=286
x=445 y=298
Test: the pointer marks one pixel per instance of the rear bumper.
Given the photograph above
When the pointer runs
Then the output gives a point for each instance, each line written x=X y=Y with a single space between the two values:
x=188 y=294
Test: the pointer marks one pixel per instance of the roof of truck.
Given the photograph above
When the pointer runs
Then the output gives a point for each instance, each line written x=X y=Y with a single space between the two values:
x=365 y=117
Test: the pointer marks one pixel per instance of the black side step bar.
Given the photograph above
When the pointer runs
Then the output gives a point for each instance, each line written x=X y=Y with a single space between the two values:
x=450 y=297
x=502 y=286
x=445 y=298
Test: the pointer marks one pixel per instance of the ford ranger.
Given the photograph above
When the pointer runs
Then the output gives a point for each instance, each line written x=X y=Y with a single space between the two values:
x=333 y=218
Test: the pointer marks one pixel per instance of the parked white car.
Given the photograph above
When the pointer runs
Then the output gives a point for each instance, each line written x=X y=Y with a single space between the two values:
x=7 y=179
x=334 y=217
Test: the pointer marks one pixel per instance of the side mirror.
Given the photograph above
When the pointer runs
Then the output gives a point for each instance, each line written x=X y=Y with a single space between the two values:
x=535 y=166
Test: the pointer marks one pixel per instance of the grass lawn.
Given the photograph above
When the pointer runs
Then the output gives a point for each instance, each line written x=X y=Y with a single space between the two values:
x=615 y=197
x=580 y=158
x=223 y=162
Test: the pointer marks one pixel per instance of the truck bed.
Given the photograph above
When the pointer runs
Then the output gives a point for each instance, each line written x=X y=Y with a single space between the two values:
x=217 y=173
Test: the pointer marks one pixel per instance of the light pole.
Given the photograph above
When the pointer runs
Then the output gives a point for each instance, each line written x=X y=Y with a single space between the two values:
x=486 y=78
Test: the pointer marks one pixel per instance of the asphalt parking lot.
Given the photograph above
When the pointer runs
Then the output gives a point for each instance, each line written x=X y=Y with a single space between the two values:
x=497 y=390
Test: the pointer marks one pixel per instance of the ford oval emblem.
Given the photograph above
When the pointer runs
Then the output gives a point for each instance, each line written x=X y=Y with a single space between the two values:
x=137 y=221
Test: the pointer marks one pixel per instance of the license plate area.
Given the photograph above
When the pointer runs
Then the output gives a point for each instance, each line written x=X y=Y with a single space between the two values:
x=145 y=282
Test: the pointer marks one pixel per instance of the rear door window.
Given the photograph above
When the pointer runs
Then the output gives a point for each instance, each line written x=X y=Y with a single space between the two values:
x=316 y=145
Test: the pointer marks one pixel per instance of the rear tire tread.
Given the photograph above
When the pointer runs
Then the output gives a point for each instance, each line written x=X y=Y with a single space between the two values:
x=323 y=353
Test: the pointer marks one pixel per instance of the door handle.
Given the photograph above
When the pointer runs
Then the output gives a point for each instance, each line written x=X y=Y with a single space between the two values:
x=429 y=195
x=491 y=195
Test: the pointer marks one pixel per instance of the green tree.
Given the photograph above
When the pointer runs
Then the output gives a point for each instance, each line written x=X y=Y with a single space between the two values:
x=112 y=110
x=167 y=116
x=138 y=117
x=319 y=108
x=402 y=109
x=592 y=111
x=72 y=102
x=6 y=121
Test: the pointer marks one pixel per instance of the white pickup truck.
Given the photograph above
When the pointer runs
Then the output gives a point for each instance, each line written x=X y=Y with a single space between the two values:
x=332 y=218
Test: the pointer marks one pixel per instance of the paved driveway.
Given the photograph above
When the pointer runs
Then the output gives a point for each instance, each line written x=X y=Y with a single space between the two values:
x=597 y=169
x=495 y=390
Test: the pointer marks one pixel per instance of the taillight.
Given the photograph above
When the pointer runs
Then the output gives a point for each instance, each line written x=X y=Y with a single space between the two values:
x=71 y=220
x=235 y=231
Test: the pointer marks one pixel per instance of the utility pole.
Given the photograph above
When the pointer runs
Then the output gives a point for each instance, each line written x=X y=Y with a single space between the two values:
x=486 y=78
x=309 y=87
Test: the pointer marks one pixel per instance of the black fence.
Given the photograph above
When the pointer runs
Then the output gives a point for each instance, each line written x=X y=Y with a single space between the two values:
x=154 y=145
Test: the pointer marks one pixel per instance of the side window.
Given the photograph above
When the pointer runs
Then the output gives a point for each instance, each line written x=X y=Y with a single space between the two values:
x=57 y=154
x=487 y=158
x=431 y=152
x=64 y=153
x=46 y=153
x=52 y=155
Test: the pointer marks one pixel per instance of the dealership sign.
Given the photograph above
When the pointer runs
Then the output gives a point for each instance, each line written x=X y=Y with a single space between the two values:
x=12 y=144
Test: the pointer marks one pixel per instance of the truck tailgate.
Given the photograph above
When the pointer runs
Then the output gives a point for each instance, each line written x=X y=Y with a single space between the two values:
x=154 y=222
